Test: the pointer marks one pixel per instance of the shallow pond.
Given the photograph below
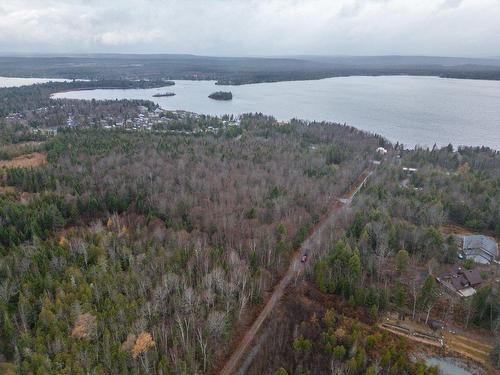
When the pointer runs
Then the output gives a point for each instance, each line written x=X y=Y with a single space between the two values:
x=448 y=366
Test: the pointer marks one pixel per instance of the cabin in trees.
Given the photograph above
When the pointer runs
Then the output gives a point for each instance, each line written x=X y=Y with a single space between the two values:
x=461 y=281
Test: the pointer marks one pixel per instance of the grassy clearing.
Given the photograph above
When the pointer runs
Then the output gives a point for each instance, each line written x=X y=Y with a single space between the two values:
x=32 y=160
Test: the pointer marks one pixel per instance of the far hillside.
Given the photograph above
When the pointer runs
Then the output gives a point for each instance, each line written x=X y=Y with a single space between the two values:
x=242 y=70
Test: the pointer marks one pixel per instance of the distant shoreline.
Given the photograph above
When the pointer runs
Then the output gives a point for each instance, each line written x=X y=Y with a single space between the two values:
x=231 y=82
x=243 y=70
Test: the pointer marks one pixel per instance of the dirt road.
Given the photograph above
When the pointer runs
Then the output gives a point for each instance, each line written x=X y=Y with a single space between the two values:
x=295 y=268
x=469 y=347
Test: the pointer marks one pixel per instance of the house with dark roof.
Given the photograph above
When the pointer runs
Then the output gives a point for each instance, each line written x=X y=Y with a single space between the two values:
x=461 y=281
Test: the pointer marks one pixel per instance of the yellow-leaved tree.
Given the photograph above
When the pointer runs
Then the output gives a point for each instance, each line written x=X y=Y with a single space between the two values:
x=143 y=343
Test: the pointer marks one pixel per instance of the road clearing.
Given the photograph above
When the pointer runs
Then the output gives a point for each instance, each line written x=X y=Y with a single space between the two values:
x=294 y=270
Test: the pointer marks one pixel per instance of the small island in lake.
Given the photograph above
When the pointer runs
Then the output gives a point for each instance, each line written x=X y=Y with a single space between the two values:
x=221 y=95
x=161 y=95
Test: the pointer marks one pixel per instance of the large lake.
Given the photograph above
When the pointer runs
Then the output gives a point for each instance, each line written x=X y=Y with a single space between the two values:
x=16 y=82
x=411 y=110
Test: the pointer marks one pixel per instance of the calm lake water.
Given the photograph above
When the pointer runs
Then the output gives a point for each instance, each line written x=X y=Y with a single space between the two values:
x=16 y=82
x=448 y=366
x=411 y=110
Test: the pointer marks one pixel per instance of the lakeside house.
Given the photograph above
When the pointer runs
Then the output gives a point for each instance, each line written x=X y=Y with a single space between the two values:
x=461 y=281
x=409 y=170
x=71 y=121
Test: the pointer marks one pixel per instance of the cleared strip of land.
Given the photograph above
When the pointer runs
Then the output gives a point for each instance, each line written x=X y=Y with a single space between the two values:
x=295 y=268
x=424 y=339
x=479 y=351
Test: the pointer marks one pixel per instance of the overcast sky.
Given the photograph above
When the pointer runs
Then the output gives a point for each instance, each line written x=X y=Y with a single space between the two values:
x=253 y=27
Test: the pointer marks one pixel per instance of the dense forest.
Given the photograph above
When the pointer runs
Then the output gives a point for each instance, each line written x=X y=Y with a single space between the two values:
x=314 y=334
x=383 y=256
x=140 y=252
x=147 y=247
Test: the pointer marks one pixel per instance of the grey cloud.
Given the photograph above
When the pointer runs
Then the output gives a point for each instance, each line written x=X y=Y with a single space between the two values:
x=251 y=27
x=451 y=4
x=353 y=8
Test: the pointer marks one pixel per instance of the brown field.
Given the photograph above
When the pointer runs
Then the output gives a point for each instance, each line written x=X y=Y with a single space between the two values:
x=455 y=229
x=7 y=189
x=460 y=230
x=25 y=161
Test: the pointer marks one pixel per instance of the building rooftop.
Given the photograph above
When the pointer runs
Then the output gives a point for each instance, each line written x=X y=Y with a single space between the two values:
x=478 y=241
x=461 y=279
x=473 y=277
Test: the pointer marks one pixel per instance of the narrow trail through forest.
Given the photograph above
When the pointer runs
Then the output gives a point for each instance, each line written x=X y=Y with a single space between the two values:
x=294 y=270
